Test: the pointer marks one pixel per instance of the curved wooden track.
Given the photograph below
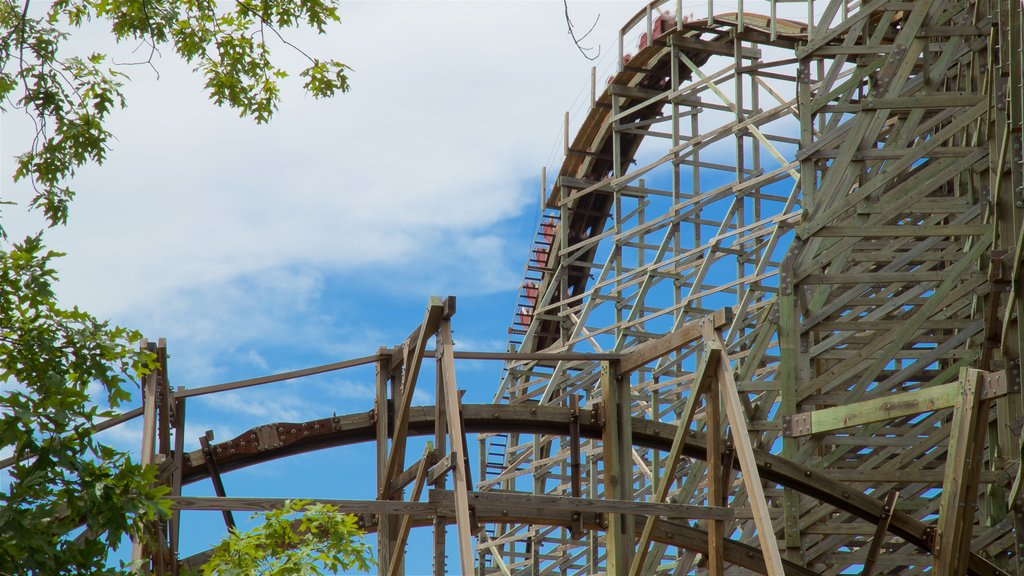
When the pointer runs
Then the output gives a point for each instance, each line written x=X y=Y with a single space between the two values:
x=292 y=438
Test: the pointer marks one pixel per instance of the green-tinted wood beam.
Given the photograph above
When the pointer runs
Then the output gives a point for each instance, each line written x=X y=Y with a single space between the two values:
x=960 y=486
x=889 y=407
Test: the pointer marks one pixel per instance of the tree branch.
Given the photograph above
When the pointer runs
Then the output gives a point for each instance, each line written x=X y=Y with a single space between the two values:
x=572 y=32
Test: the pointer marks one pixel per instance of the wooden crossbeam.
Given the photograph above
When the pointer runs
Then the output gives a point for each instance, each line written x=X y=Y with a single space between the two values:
x=654 y=349
x=519 y=505
x=993 y=385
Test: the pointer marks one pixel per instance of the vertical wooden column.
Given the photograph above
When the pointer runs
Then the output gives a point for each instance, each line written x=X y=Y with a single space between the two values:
x=179 y=462
x=400 y=534
x=457 y=437
x=385 y=523
x=575 y=467
x=441 y=443
x=716 y=489
x=147 y=454
x=789 y=349
x=402 y=391
x=960 y=483
x=164 y=402
x=618 y=473
x=163 y=557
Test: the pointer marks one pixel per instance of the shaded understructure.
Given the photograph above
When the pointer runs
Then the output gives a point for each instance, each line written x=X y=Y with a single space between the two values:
x=769 y=323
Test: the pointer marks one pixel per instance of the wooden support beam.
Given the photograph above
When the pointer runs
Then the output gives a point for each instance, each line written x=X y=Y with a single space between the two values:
x=525 y=505
x=705 y=370
x=748 y=466
x=957 y=505
x=386 y=530
x=179 y=461
x=618 y=474
x=457 y=436
x=149 y=430
x=993 y=385
x=218 y=484
x=150 y=402
x=654 y=349
x=164 y=403
x=438 y=474
x=417 y=343
x=717 y=493
x=881 y=529
x=575 y=475
x=395 y=563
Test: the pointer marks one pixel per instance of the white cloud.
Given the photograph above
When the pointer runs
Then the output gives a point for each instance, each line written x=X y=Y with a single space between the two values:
x=451 y=111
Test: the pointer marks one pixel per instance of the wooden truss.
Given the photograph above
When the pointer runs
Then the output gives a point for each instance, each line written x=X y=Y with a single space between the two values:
x=864 y=236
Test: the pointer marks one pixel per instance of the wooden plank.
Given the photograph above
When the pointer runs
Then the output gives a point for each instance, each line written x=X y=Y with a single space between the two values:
x=457 y=437
x=527 y=503
x=654 y=349
x=748 y=466
x=427 y=328
x=617 y=546
x=993 y=385
x=882 y=231
x=960 y=487
x=164 y=396
x=149 y=416
x=386 y=529
x=149 y=423
x=717 y=493
x=256 y=504
x=291 y=375
x=179 y=462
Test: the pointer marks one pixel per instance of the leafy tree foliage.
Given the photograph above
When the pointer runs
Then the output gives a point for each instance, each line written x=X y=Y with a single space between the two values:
x=50 y=357
x=319 y=541
x=70 y=97
x=53 y=360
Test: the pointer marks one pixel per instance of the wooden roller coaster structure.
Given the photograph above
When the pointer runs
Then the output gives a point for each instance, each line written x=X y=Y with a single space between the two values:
x=770 y=321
